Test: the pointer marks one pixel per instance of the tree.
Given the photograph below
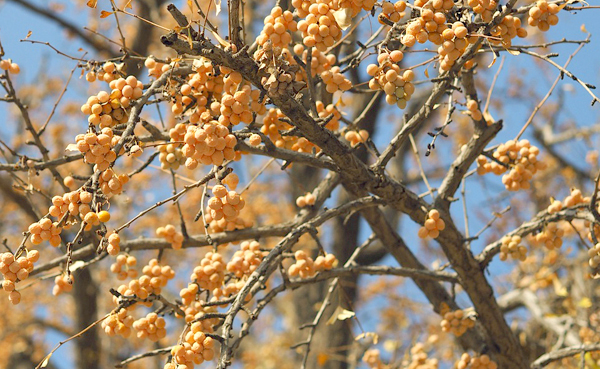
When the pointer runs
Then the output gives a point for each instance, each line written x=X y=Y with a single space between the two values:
x=314 y=174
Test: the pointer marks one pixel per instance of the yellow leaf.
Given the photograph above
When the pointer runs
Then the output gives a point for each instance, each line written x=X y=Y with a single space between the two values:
x=513 y=52
x=104 y=14
x=92 y=3
x=128 y=5
x=426 y=72
x=46 y=361
x=71 y=147
x=343 y=17
x=28 y=34
x=221 y=40
x=583 y=29
x=340 y=314
x=585 y=303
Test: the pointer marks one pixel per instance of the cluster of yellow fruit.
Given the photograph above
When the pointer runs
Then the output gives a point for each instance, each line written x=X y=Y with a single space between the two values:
x=335 y=81
x=235 y=107
x=392 y=12
x=119 y=323
x=272 y=127
x=509 y=28
x=11 y=67
x=356 y=138
x=154 y=279
x=194 y=311
x=387 y=77
x=594 y=255
x=575 y=198
x=520 y=157
x=437 y=5
x=62 y=283
x=111 y=183
x=277 y=28
x=196 y=349
x=474 y=111
x=107 y=73
x=280 y=71
x=97 y=148
x=15 y=270
x=429 y=26
x=245 y=261
x=170 y=156
x=155 y=68
x=354 y=5
x=224 y=205
x=457 y=322
x=152 y=327
x=433 y=225
x=419 y=359
x=551 y=236
x=169 y=233
x=45 y=230
x=477 y=362
x=107 y=109
x=372 y=358
x=511 y=246
x=127 y=261
x=485 y=8
x=305 y=267
x=319 y=62
x=320 y=28
x=208 y=144
x=210 y=274
x=307 y=200
x=543 y=15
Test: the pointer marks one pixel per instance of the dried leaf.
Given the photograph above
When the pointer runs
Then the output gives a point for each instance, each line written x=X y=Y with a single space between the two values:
x=426 y=72
x=72 y=147
x=46 y=361
x=92 y=3
x=28 y=34
x=513 y=52
x=322 y=358
x=104 y=14
x=218 y=6
x=128 y=5
x=340 y=314
x=221 y=40
x=343 y=17
x=373 y=335
x=493 y=61
x=583 y=29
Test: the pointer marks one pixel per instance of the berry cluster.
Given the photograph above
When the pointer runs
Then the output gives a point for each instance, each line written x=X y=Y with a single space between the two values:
x=319 y=61
x=520 y=156
x=437 y=5
x=151 y=327
x=208 y=144
x=169 y=233
x=432 y=226
x=45 y=230
x=106 y=110
x=196 y=349
x=272 y=127
x=305 y=267
x=392 y=12
x=457 y=322
x=195 y=311
x=354 y=5
x=429 y=26
x=15 y=270
x=224 y=205
x=127 y=261
x=119 y=323
x=111 y=183
x=10 y=66
x=155 y=69
x=474 y=111
x=170 y=156
x=356 y=138
x=575 y=198
x=485 y=8
x=245 y=261
x=235 y=107
x=62 y=283
x=97 y=148
x=158 y=276
x=551 y=236
x=372 y=358
x=387 y=77
x=453 y=45
x=594 y=255
x=210 y=274
x=512 y=246
x=509 y=28
x=320 y=28
x=277 y=28
x=107 y=73
x=307 y=200
x=543 y=15
x=477 y=362
x=419 y=359
x=335 y=81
